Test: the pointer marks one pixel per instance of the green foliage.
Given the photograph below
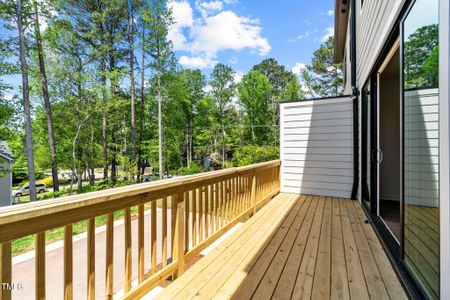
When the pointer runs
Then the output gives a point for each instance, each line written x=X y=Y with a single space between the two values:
x=421 y=62
x=254 y=92
x=193 y=169
x=48 y=181
x=51 y=195
x=248 y=155
x=281 y=80
x=88 y=54
x=324 y=78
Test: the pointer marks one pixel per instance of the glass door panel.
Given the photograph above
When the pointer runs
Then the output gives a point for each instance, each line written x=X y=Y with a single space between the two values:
x=420 y=51
x=366 y=151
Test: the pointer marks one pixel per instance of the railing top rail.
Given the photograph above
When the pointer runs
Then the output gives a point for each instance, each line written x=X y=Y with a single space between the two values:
x=48 y=207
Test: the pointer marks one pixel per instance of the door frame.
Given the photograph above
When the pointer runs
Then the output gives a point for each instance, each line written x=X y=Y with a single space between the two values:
x=396 y=46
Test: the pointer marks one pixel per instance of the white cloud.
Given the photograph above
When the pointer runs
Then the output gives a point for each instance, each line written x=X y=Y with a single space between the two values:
x=301 y=36
x=215 y=30
x=8 y=97
x=329 y=32
x=197 y=62
x=228 y=31
x=238 y=76
x=184 y=18
x=298 y=68
x=208 y=8
x=330 y=13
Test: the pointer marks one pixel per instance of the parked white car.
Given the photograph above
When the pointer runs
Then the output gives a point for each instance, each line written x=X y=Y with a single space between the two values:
x=25 y=190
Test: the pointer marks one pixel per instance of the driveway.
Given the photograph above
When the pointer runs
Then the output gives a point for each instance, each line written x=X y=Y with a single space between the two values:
x=23 y=265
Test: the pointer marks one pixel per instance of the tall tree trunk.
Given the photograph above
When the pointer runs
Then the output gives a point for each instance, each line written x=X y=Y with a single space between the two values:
x=160 y=124
x=133 y=89
x=141 y=113
x=74 y=156
x=113 y=156
x=45 y=94
x=26 y=103
x=104 y=122
x=91 y=160
x=189 y=143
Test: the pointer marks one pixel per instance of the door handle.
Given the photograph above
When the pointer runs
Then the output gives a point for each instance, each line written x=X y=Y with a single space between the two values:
x=377 y=156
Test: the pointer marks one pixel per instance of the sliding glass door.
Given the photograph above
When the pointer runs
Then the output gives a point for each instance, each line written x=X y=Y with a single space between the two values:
x=420 y=191
x=367 y=149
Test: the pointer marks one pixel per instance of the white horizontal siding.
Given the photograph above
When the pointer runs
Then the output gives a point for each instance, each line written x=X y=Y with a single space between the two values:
x=373 y=24
x=421 y=146
x=316 y=144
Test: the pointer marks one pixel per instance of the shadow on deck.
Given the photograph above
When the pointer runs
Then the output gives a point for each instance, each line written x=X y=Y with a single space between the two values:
x=295 y=247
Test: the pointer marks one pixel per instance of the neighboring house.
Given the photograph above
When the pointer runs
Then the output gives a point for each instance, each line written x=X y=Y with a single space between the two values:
x=6 y=160
x=387 y=142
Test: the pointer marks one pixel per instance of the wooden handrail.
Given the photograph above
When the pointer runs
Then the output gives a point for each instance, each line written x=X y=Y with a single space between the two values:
x=203 y=207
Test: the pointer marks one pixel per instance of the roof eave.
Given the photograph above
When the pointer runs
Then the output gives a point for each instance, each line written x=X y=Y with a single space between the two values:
x=341 y=9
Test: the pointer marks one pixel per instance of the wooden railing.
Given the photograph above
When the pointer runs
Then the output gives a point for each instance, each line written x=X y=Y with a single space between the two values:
x=201 y=208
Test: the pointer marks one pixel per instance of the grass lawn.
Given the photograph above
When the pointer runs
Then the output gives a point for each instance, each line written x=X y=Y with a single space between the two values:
x=27 y=243
x=24 y=244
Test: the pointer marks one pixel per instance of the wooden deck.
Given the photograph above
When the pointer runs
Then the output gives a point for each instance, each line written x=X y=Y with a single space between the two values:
x=295 y=247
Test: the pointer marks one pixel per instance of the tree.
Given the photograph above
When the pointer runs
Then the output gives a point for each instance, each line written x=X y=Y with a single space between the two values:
x=421 y=61
x=131 y=33
x=194 y=83
x=254 y=93
x=278 y=76
x=285 y=86
x=159 y=19
x=20 y=12
x=293 y=91
x=323 y=78
x=45 y=94
x=222 y=91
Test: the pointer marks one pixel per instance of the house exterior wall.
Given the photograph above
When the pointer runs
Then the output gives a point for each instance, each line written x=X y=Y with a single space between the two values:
x=374 y=21
x=444 y=149
x=316 y=147
x=5 y=186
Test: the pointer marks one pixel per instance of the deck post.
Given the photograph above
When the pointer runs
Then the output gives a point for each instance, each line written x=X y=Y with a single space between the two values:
x=178 y=245
x=5 y=269
x=253 y=193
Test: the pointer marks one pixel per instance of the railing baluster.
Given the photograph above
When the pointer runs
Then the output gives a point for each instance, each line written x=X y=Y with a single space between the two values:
x=173 y=218
x=212 y=208
x=178 y=245
x=153 y=236
x=128 y=263
x=201 y=214
x=68 y=263
x=141 y=230
x=186 y=220
x=164 y=232
x=207 y=213
x=40 y=266
x=109 y=256
x=235 y=204
x=216 y=205
x=5 y=269
x=91 y=259
x=194 y=218
x=222 y=203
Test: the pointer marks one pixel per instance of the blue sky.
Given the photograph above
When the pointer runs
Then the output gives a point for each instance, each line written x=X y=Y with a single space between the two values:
x=242 y=33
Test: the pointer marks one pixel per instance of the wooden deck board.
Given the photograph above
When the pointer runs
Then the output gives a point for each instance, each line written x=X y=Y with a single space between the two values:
x=295 y=247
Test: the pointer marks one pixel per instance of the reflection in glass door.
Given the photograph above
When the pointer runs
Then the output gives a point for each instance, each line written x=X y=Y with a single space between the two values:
x=367 y=150
x=421 y=145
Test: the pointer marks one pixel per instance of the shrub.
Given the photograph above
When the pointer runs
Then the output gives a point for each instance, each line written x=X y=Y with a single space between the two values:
x=248 y=155
x=51 y=195
x=48 y=181
x=193 y=169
